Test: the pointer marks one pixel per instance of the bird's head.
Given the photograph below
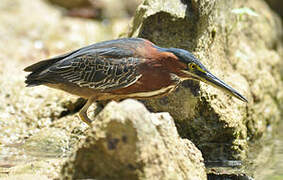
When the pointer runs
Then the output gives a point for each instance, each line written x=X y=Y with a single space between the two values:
x=193 y=69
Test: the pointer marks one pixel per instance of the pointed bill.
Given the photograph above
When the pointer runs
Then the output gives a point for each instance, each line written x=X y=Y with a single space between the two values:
x=214 y=81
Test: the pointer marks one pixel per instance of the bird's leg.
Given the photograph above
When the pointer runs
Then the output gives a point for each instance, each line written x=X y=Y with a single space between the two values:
x=83 y=112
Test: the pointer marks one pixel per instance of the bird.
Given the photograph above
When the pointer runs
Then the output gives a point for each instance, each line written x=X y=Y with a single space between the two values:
x=119 y=69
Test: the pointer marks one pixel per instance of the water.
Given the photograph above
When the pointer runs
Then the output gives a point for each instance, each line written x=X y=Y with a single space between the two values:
x=274 y=171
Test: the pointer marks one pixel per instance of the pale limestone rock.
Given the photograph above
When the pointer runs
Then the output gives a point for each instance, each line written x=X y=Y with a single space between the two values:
x=128 y=142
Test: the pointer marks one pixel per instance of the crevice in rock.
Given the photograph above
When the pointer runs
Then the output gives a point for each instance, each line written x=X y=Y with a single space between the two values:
x=212 y=176
x=157 y=26
x=72 y=108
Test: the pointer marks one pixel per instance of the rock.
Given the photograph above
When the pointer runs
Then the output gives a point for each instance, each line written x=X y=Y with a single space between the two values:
x=35 y=170
x=229 y=176
x=34 y=113
x=48 y=142
x=276 y=5
x=240 y=42
x=71 y=3
x=99 y=9
x=24 y=110
x=223 y=34
x=119 y=8
x=128 y=142
x=26 y=176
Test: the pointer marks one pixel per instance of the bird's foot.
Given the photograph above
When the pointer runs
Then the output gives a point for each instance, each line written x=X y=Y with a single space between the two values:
x=84 y=118
x=83 y=111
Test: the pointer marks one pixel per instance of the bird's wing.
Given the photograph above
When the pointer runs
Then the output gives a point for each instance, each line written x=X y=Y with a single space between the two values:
x=100 y=69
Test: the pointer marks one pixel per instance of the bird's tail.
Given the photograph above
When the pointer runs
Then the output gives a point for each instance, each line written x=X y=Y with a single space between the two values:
x=31 y=82
x=33 y=79
x=39 y=71
x=37 y=77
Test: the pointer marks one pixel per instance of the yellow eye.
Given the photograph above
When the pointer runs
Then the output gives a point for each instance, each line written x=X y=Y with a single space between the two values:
x=192 y=66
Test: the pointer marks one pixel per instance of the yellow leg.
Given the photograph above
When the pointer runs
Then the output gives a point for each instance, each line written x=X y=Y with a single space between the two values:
x=83 y=112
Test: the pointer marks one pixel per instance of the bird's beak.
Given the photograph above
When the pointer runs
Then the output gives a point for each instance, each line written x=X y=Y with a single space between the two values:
x=209 y=78
x=214 y=81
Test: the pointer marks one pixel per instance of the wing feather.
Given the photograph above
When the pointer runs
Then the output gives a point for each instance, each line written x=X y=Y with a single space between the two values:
x=99 y=72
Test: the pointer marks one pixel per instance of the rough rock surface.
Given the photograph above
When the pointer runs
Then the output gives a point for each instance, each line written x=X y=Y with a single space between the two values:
x=128 y=142
x=33 y=118
x=24 y=110
x=239 y=41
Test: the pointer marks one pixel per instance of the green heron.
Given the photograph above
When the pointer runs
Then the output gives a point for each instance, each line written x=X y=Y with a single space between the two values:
x=119 y=69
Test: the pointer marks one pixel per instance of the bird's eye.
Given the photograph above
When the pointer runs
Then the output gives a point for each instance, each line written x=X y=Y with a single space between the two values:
x=192 y=66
